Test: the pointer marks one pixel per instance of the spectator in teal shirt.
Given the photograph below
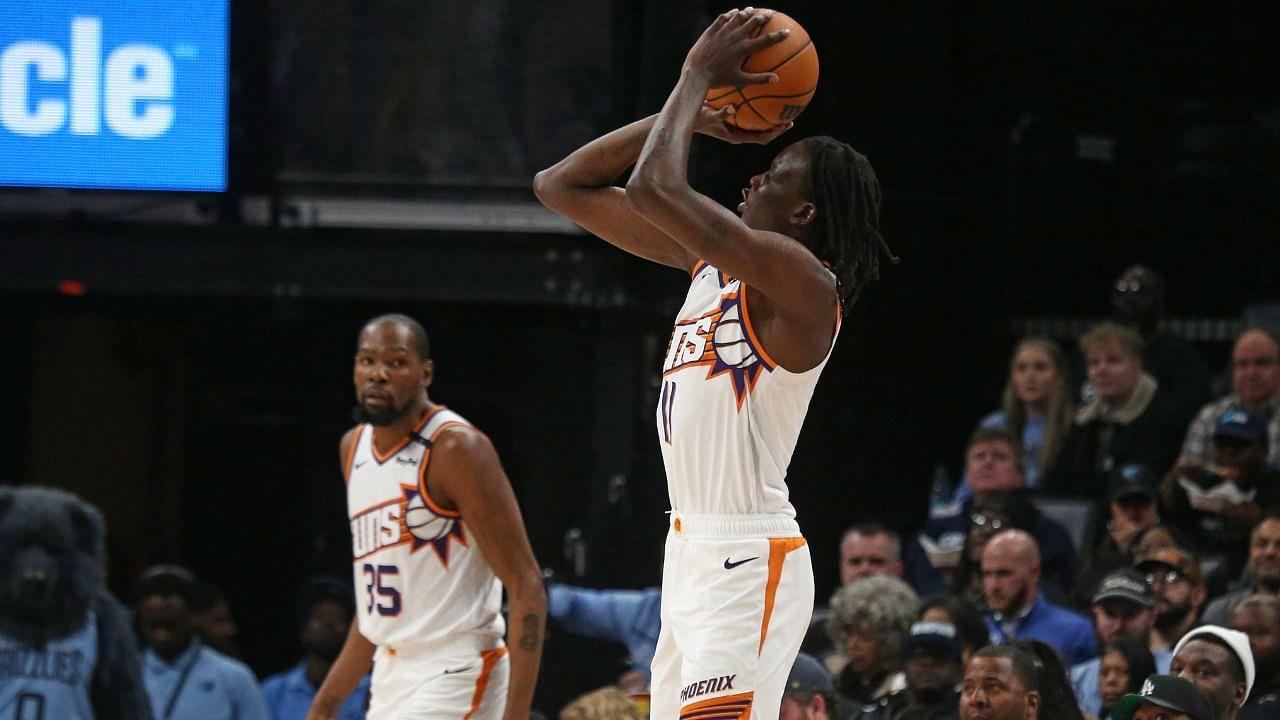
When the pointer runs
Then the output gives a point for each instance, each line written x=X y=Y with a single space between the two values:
x=327 y=609
x=184 y=679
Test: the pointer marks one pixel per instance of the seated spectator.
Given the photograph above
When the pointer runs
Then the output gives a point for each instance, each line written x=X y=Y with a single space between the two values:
x=868 y=549
x=186 y=680
x=1165 y=698
x=606 y=703
x=931 y=664
x=1128 y=420
x=1015 y=607
x=1261 y=572
x=869 y=618
x=1175 y=577
x=326 y=610
x=1000 y=683
x=809 y=693
x=1056 y=699
x=211 y=613
x=1036 y=407
x=971 y=627
x=1015 y=510
x=1255 y=385
x=1220 y=663
x=627 y=617
x=1160 y=537
x=1217 y=509
x=1132 y=496
x=995 y=476
x=1258 y=617
x=1133 y=508
x=1137 y=300
x=1126 y=661
x=1122 y=608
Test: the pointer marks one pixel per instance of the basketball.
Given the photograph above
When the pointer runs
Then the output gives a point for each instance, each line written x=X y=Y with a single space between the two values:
x=424 y=524
x=794 y=60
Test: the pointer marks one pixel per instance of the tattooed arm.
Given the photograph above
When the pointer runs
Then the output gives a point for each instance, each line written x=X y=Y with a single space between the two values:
x=467 y=475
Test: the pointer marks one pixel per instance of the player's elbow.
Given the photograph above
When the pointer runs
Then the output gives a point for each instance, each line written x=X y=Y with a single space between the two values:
x=547 y=186
x=527 y=589
x=644 y=194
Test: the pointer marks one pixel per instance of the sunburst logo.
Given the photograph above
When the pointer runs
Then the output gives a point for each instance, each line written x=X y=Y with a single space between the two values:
x=425 y=527
x=721 y=340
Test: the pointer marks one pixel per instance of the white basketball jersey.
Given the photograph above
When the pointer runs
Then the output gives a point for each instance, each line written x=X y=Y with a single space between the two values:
x=728 y=415
x=419 y=576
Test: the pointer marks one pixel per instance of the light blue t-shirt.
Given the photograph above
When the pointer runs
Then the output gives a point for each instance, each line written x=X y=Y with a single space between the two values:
x=52 y=682
x=289 y=696
x=1084 y=680
x=202 y=684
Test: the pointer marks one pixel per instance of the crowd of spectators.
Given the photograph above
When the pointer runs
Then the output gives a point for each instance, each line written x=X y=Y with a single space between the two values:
x=1113 y=551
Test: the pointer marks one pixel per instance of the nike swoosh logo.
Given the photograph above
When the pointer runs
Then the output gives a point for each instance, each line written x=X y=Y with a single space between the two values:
x=447 y=671
x=362 y=463
x=731 y=565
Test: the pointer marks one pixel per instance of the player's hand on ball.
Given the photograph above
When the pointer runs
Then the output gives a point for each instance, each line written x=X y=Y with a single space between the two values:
x=723 y=47
x=712 y=122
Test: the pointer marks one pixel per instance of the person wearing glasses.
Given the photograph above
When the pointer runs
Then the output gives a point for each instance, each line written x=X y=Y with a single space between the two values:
x=946 y=554
x=1137 y=300
x=1180 y=593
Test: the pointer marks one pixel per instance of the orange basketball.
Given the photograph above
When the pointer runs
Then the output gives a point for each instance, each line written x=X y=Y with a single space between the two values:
x=794 y=60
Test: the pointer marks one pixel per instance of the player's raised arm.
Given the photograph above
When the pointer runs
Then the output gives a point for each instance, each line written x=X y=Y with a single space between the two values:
x=471 y=478
x=580 y=187
x=785 y=271
x=818 y=204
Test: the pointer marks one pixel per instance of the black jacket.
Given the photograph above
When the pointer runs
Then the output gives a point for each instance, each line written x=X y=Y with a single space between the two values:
x=894 y=707
x=1093 y=450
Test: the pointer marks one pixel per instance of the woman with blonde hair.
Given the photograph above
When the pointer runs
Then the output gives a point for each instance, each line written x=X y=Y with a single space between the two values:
x=1036 y=406
x=607 y=703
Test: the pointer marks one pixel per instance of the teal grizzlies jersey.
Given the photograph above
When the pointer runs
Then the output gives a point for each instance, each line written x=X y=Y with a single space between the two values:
x=52 y=683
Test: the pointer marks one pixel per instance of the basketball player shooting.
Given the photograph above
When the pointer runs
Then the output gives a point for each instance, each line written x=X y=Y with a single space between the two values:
x=756 y=328
x=434 y=528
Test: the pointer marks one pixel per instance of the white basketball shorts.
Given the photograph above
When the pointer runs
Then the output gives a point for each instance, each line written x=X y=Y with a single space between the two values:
x=431 y=686
x=737 y=597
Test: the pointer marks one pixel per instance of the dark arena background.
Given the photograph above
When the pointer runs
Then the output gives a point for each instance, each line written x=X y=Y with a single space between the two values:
x=178 y=350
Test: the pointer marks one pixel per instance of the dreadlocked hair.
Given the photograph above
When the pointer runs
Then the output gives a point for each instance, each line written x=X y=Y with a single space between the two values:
x=846 y=232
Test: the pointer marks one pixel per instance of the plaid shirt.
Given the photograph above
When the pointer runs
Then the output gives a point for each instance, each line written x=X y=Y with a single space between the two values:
x=1200 y=434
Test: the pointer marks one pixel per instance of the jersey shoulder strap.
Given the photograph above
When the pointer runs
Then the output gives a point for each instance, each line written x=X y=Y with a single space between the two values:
x=440 y=421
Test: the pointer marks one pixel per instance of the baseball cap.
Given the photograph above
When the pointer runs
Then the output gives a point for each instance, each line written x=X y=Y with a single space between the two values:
x=1132 y=479
x=1169 y=692
x=933 y=637
x=1172 y=557
x=1240 y=425
x=1236 y=640
x=808 y=676
x=1126 y=585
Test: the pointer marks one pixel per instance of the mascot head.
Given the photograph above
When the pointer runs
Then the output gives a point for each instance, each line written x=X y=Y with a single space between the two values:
x=53 y=548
